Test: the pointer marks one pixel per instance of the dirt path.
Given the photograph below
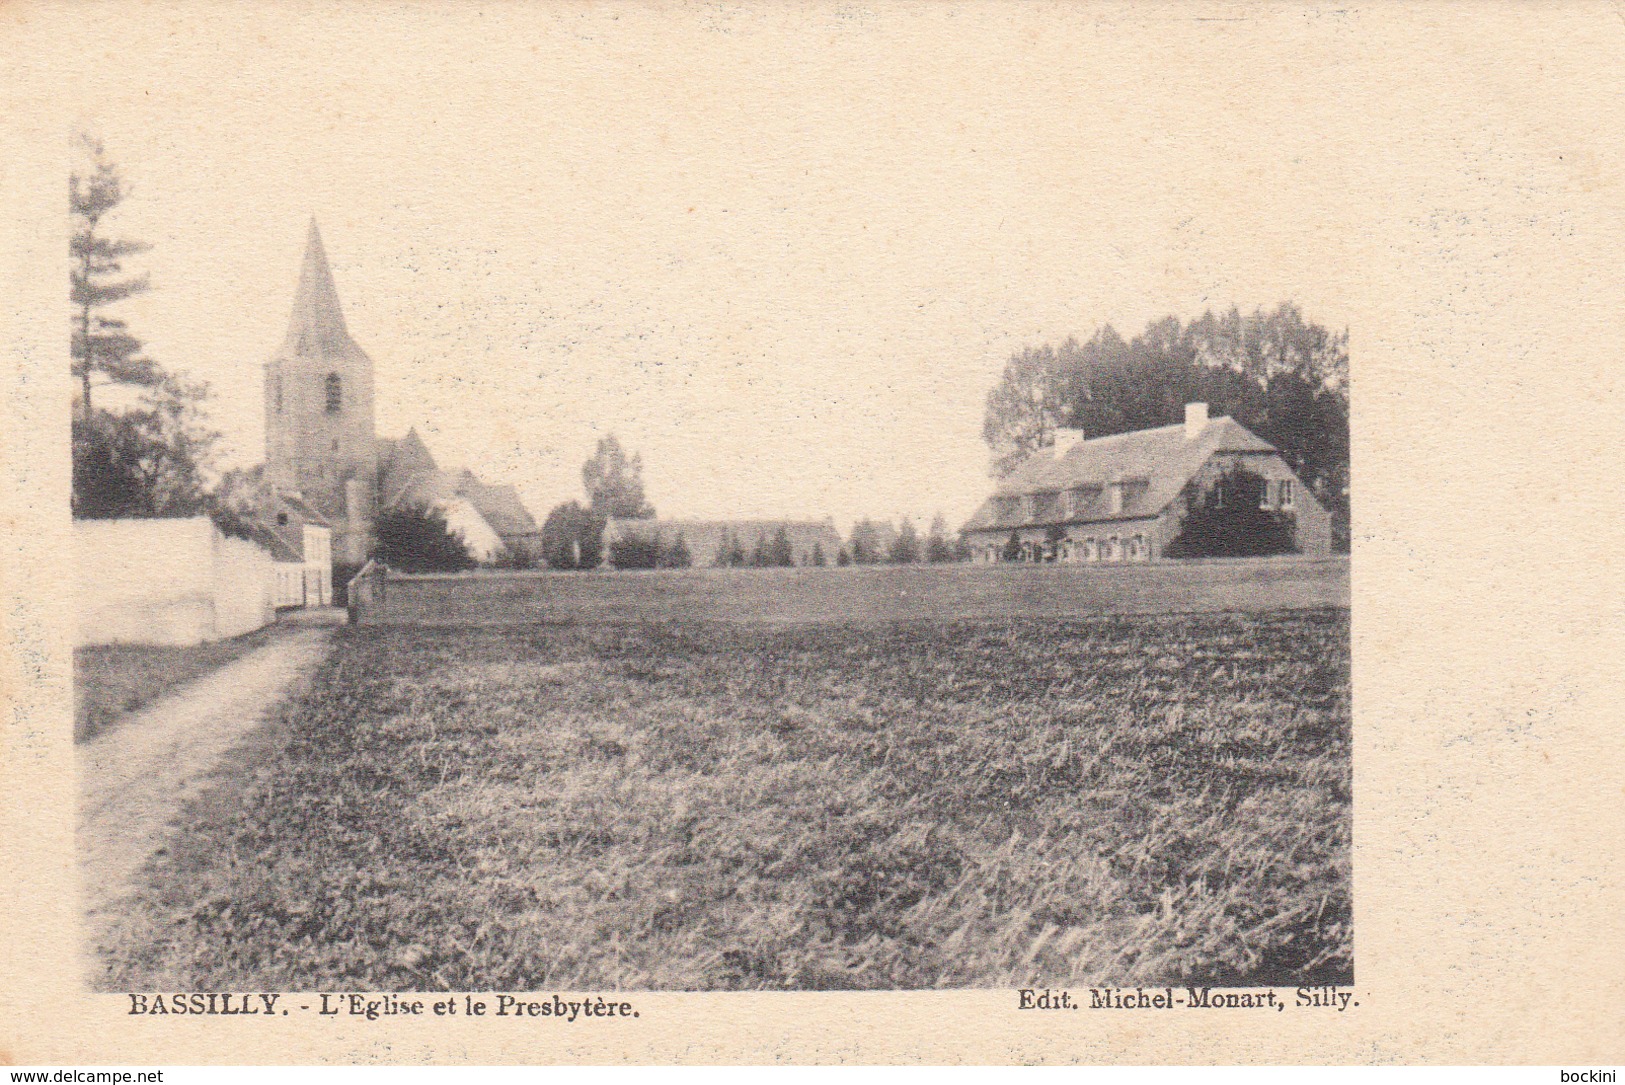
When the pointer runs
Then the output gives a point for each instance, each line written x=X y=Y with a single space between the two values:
x=136 y=777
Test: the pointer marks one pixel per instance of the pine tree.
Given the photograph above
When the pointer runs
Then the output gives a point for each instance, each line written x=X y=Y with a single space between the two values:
x=905 y=549
x=678 y=556
x=101 y=347
x=780 y=551
x=937 y=548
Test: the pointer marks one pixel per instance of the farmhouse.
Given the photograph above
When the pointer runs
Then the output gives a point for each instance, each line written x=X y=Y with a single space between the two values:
x=321 y=448
x=1122 y=498
x=709 y=540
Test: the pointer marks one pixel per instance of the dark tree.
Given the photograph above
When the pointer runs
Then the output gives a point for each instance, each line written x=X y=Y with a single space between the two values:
x=818 y=558
x=416 y=539
x=678 y=556
x=572 y=537
x=636 y=552
x=937 y=547
x=1012 y=547
x=102 y=349
x=865 y=543
x=1226 y=519
x=843 y=558
x=780 y=552
x=150 y=460
x=758 y=555
x=905 y=549
x=1053 y=538
x=614 y=483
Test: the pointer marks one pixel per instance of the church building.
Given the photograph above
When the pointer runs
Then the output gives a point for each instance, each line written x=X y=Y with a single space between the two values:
x=321 y=442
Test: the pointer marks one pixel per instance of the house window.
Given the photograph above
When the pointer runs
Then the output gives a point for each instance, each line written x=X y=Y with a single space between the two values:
x=1114 y=549
x=335 y=394
x=1286 y=493
x=1264 y=498
x=282 y=519
x=1091 y=549
x=1139 y=551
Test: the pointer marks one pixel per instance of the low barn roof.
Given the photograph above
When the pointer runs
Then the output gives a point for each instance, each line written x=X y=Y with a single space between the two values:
x=705 y=538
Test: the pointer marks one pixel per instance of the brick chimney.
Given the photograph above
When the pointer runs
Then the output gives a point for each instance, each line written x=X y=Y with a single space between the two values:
x=1195 y=420
x=1066 y=439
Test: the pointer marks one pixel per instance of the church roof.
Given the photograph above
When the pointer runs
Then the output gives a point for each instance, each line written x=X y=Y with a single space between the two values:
x=317 y=327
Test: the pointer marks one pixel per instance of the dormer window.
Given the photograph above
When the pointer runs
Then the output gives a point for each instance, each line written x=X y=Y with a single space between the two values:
x=335 y=394
x=1286 y=493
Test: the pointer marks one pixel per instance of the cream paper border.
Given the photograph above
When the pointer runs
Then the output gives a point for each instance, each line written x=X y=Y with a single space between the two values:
x=1484 y=225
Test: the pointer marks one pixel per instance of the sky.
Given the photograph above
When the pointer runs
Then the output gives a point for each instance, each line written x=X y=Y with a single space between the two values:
x=782 y=253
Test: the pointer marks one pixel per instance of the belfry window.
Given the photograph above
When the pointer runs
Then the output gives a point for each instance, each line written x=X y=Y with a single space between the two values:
x=335 y=394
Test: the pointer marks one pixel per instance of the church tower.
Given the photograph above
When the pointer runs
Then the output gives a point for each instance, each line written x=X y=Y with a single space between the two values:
x=319 y=433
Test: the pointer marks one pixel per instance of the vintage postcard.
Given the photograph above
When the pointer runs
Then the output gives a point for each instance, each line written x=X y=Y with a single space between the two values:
x=812 y=533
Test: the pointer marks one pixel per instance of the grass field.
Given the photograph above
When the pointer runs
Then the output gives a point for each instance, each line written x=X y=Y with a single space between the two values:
x=716 y=806
x=112 y=679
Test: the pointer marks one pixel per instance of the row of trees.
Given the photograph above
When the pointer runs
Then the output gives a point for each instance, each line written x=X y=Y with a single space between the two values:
x=1280 y=375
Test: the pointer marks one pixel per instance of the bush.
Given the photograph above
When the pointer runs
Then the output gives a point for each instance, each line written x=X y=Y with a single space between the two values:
x=636 y=552
x=678 y=556
x=416 y=539
x=343 y=573
x=1225 y=520
x=572 y=537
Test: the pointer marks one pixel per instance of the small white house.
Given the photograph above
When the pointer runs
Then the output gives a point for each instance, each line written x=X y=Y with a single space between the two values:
x=300 y=542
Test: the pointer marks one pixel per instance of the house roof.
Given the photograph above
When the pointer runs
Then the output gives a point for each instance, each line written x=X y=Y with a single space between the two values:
x=1154 y=463
x=280 y=547
x=705 y=538
x=297 y=504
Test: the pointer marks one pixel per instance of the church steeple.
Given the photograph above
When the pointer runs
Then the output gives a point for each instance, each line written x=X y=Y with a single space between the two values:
x=320 y=438
x=317 y=325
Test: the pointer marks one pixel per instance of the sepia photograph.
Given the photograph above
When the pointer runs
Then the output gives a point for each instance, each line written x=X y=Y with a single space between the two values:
x=458 y=612
x=722 y=509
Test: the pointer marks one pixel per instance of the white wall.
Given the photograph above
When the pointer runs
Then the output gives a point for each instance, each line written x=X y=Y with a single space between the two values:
x=166 y=582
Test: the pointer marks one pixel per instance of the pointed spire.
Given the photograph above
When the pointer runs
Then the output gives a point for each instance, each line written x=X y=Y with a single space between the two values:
x=317 y=326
